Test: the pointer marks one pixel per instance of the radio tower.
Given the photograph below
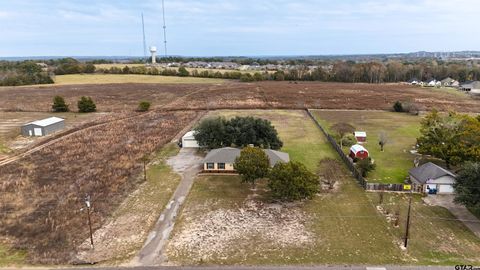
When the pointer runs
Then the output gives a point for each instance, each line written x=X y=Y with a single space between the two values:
x=164 y=28
x=144 y=41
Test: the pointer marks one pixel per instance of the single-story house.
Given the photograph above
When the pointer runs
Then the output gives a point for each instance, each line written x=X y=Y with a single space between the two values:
x=188 y=140
x=358 y=151
x=222 y=159
x=433 y=178
x=470 y=86
x=43 y=127
x=415 y=81
x=449 y=82
x=361 y=136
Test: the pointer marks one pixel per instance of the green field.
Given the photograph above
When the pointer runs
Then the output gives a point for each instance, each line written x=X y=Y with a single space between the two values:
x=402 y=129
x=9 y=257
x=128 y=78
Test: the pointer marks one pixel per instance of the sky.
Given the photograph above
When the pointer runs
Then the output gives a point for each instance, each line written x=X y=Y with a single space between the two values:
x=237 y=27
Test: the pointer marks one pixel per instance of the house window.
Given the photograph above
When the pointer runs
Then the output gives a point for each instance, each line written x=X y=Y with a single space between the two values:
x=221 y=166
x=210 y=166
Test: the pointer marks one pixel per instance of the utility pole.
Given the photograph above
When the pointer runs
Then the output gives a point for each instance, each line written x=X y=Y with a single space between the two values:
x=144 y=169
x=164 y=29
x=88 y=204
x=407 y=230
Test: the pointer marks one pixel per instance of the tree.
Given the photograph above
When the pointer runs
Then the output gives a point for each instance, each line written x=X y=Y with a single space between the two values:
x=341 y=129
x=86 y=104
x=398 y=107
x=292 y=181
x=212 y=133
x=143 y=106
x=247 y=77
x=249 y=130
x=467 y=185
x=365 y=166
x=183 y=72
x=59 y=104
x=440 y=137
x=329 y=170
x=252 y=164
x=382 y=139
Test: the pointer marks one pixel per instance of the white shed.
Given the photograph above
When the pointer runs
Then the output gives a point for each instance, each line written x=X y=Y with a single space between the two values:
x=188 y=140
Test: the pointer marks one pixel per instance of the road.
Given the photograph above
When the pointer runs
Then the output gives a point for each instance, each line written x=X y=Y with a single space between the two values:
x=187 y=163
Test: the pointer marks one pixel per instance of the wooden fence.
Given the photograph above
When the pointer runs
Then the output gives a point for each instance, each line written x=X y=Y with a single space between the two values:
x=340 y=152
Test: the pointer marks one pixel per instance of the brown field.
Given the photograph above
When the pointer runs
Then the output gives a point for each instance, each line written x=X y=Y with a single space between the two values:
x=42 y=194
x=120 y=97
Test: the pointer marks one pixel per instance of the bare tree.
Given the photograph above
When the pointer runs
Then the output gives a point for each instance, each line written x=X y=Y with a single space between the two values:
x=330 y=169
x=382 y=139
x=342 y=129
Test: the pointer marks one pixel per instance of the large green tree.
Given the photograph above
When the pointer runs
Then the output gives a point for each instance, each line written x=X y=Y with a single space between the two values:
x=252 y=164
x=59 y=104
x=467 y=185
x=292 y=181
x=452 y=137
x=212 y=133
x=86 y=104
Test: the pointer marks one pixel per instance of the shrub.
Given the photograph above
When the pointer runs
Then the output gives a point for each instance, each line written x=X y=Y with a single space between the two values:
x=348 y=140
x=246 y=77
x=365 y=166
x=183 y=72
x=143 y=106
x=86 y=104
x=59 y=104
x=292 y=181
x=398 y=107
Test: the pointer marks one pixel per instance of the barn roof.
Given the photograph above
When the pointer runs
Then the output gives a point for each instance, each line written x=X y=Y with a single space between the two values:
x=357 y=148
x=360 y=134
x=429 y=171
x=46 y=122
x=229 y=154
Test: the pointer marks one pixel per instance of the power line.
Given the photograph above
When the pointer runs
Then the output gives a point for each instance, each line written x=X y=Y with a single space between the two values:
x=164 y=28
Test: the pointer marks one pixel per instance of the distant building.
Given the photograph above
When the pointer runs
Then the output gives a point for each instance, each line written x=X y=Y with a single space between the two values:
x=43 y=127
x=449 y=82
x=434 y=83
x=415 y=81
x=222 y=159
x=470 y=86
x=433 y=178
x=188 y=140
x=358 y=151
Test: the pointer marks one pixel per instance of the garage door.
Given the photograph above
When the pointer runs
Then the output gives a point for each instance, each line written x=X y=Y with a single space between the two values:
x=37 y=131
x=189 y=143
x=445 y=189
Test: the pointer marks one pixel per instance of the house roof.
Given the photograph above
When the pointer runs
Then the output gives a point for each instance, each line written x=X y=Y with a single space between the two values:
x=46 y=122
x=229 y=154
x=429 y=171
x=448 y=80
x=189 y=135
x=357 y=148
x=360 y=134
x=471 y=85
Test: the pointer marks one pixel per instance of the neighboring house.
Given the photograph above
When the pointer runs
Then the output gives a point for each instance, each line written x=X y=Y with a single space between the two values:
x=449 y=82
x=222 y=159
x=433 y=178
x=433 y=83
x=43 y=127
x=358 y=151
x=471 y=86
x=188 y=140
x=361 y=136
x=415 y=81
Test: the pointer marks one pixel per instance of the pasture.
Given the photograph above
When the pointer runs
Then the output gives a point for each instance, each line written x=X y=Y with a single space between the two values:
x=129 y=78
x=401 y=129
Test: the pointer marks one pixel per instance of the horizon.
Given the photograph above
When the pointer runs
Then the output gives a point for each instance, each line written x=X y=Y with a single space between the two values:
x=233 y=28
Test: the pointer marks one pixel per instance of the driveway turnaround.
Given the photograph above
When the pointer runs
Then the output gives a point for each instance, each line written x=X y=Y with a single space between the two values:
x=187 y=163
x=458 y=210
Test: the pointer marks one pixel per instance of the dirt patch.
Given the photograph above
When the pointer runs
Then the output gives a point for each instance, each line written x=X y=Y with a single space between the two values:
x=221 y=230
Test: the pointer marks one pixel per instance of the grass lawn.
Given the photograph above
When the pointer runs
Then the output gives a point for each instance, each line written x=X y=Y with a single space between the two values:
x=128 y=78
x=9 y=257
x=402 y=129
x=435 y=237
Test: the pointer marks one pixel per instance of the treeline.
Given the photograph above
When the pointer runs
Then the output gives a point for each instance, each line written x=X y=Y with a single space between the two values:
x=22 y=73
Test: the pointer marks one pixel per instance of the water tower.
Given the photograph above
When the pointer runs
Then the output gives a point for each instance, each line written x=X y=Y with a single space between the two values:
x=153 y=51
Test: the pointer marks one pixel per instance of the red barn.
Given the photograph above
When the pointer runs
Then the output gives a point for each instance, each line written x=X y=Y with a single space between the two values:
x=361 y=136
x=358 y=151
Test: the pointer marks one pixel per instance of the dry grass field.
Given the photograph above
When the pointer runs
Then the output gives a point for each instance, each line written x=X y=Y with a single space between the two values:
x=129 y=78
x=42 y=194
x=261 y=95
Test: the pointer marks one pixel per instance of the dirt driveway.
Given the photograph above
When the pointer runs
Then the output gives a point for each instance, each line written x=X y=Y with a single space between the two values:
x=187 y=163
x=458 y=210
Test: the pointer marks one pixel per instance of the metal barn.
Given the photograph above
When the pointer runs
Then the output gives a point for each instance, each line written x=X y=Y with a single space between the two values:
x=43 y=127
